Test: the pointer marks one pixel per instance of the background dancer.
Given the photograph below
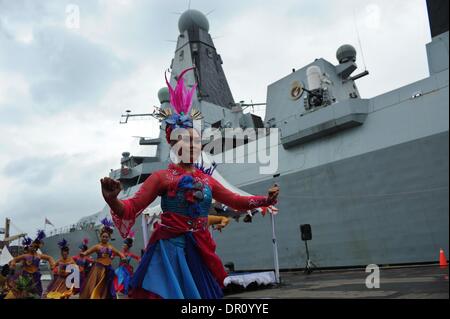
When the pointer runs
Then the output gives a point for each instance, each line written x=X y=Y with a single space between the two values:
x=124 y=272
x=57 y=289
x=99 y=283
x=27 y=281
x=83 y=262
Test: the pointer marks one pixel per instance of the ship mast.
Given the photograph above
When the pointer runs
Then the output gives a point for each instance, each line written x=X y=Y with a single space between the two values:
x=7 y=238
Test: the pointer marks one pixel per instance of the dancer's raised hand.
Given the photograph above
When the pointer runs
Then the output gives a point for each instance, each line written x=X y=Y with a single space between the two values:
x=110 y=188
x=273 y=192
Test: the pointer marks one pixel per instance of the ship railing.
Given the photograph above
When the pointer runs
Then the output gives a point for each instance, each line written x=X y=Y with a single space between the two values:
x=71 y=228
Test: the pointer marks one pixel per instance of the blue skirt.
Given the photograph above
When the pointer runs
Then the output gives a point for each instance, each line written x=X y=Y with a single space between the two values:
x=173 y=269
x=123 y=278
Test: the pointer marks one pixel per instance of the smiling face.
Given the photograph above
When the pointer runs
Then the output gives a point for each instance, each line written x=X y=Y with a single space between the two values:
x=188 y=146
x=105 y=237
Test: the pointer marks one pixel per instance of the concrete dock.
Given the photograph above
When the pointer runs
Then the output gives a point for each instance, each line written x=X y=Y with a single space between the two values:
x=417 y=282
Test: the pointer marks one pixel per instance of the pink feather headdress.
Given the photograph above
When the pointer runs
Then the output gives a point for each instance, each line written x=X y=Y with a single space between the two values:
x=181 y=97
x=181 y=115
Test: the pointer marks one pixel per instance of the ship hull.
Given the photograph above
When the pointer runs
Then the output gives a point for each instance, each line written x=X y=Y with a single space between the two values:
x=389 y=206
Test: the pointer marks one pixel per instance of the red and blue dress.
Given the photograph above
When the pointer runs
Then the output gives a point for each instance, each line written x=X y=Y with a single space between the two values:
x=124 y=272
x=180 y=260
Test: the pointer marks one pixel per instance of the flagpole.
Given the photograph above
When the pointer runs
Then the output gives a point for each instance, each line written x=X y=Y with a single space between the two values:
x=275 y=249
x=144 y=230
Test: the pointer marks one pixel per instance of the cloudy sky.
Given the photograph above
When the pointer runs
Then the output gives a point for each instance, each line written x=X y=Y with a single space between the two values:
x=63 y=89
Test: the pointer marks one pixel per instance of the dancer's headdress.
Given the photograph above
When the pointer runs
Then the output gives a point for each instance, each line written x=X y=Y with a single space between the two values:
x=129 y=240
x=39 y=237
x=181 y=114
x=27 y=241
x=63 y=245
x=84 y=244
x=107 y=226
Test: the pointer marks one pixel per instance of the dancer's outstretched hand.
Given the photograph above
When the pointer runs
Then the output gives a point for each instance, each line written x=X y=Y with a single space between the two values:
x=273 y=192
x=110 y=188
x=223 y=223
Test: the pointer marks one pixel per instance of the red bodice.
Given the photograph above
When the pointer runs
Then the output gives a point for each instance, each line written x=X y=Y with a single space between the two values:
x=166 y=181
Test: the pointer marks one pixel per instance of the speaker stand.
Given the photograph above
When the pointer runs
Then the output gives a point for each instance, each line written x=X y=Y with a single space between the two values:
x=310 y=266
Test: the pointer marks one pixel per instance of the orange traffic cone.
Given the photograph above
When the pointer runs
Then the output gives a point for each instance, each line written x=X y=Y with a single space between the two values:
x=442 y=259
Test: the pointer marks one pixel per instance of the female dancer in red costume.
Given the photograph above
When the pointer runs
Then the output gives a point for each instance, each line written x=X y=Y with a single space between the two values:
x=124 y=272
x=180 y=260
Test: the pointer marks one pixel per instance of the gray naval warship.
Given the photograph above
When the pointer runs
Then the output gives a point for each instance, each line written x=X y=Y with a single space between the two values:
x=369 y=175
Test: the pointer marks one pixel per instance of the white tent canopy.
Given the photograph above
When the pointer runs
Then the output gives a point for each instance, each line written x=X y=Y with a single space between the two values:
x=153 y=211
x=5 y=256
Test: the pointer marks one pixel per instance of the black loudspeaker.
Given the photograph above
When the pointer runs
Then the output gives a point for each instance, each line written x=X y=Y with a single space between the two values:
x=306 y=232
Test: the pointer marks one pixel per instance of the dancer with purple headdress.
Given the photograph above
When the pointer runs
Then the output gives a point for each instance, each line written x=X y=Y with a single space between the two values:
x=30 y=262
x=58 y=289
x=180 y=259
x=99 y=282
x=83 y=262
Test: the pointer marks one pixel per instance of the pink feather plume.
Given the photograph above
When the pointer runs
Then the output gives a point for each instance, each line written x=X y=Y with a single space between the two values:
x=181 y=97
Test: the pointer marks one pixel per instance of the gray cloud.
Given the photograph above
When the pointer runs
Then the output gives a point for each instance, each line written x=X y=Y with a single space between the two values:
x=63 y=200
x=64 y=68
x=75 y=67
x=34 y=170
